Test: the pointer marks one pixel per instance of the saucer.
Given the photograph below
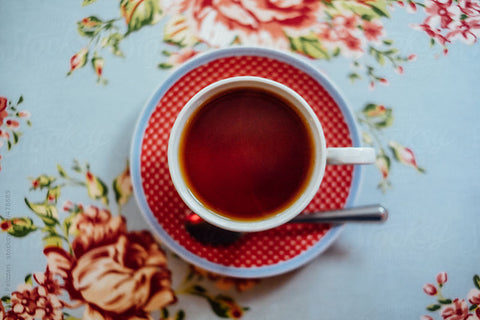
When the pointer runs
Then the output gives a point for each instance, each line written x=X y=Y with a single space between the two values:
x=259 y=254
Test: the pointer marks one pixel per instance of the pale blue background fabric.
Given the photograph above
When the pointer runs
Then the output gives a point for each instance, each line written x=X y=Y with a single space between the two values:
x=370 y=272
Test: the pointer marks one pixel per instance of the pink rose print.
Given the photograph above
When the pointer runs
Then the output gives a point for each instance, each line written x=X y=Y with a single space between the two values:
x=112 y=271
x=260 y=22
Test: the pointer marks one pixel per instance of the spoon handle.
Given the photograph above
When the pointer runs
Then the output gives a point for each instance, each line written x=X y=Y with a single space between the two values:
x=371 y=213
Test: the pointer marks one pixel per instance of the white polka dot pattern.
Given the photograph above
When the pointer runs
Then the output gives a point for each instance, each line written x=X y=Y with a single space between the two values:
x=257 y=249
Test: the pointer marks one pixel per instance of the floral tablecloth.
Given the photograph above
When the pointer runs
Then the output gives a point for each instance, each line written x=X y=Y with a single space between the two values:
x=74 y=77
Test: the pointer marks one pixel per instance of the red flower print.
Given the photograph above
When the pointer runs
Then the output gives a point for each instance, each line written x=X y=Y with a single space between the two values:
x=412 y=6
x=457 y=310
x=24 y=301
x=98 y=64
x=435 y=34
x=234 y=311
x=4 y=134
x=78 y=60
x=376 y=111
x=352 y=43
x=476 y=314
x=11 y=315
x=404 y=155
x=254 y=22
x=430 y=289
x=372 y=30
x=426 y=318
x=439 y=9
x=12 y=124
x=68 y=205
x=47 y=281
x=345 y=22
x=326 y=32
x=3 y=103
x=5 y=225
x=112 y=272
x=474 y=296
x=442 y=278
x=467 y=30
x=3 y=109
x=344 y=31
x=35 y=183
x=89 y=22
x=469 y=7
x=383 y=165
x=49 y=307
x=95 y=227
x=29 y=303
x=449 y=20
x=23 y=114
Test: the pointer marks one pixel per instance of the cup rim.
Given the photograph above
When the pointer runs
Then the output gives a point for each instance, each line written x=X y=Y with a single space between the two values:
x=281 y=217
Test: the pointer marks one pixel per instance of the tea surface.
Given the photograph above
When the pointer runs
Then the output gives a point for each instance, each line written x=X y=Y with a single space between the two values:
x=246 y=154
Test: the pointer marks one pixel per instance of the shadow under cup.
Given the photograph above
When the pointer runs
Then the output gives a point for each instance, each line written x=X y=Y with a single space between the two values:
x=247 y=154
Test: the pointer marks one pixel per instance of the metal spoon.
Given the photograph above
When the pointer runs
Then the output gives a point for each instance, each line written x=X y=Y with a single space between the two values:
x=209 y=234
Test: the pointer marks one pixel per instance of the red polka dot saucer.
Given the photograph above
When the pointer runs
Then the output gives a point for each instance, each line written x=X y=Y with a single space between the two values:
x=259 y=254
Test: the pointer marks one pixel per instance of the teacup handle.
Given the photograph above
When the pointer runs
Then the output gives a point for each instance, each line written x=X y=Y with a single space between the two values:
x=350 y=155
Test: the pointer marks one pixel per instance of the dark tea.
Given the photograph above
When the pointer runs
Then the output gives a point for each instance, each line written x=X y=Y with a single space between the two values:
x=246 y=154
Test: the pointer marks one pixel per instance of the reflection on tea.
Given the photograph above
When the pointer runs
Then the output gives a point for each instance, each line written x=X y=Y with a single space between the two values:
x=246 y=154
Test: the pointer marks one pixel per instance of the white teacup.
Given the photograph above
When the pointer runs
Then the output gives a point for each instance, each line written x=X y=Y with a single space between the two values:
x=184 y=178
